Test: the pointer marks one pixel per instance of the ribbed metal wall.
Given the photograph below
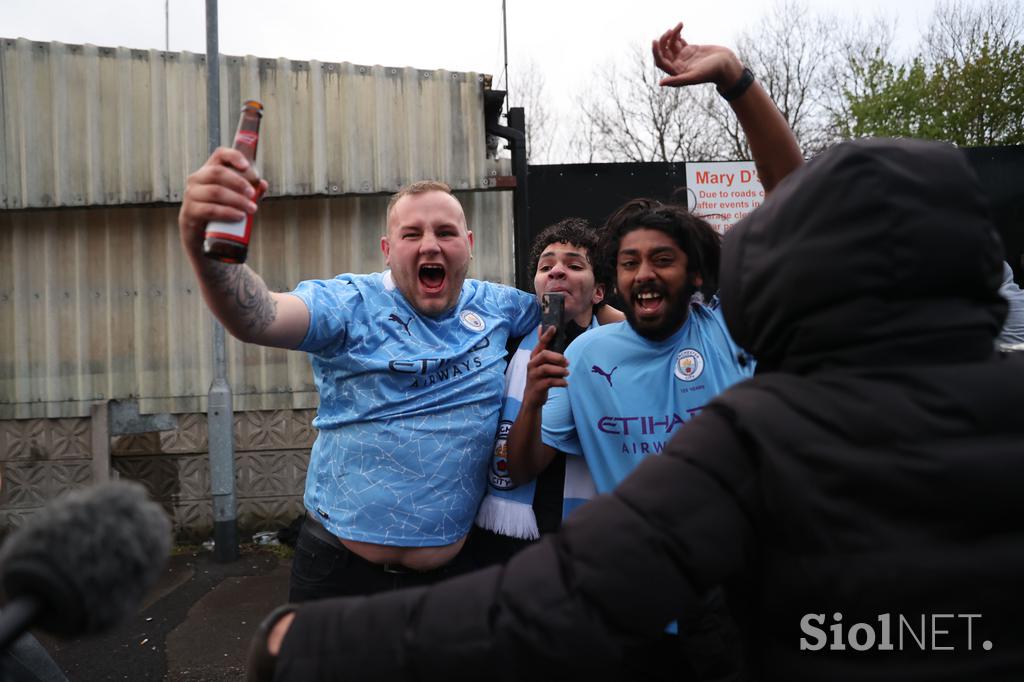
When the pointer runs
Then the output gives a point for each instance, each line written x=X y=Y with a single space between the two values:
x=87 y=125
x=96 y=298
x=101 y=303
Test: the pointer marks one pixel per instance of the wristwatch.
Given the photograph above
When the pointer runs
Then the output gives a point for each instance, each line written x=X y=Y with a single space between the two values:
x=739 y=87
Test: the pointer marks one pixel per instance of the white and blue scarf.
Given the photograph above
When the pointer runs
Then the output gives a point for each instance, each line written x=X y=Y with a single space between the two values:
x=507 y=509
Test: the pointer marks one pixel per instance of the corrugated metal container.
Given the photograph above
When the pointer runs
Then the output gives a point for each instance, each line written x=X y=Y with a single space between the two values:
x=87 y=125
x=99 y=302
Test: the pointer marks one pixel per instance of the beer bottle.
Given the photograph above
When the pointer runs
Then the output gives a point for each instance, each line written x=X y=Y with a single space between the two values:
x=228 y=242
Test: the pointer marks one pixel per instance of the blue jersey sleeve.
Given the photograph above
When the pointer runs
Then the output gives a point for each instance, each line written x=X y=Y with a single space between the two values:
x=558 y=428
x=524 y=313
x=330 y=303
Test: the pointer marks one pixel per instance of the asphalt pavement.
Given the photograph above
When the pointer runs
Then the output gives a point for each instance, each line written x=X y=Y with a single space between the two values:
x=194 y=626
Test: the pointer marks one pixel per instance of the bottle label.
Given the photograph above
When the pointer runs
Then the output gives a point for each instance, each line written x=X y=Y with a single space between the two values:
x=236 y=231
x=248 y=137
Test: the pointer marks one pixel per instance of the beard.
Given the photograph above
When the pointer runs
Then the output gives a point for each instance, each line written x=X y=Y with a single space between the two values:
x=676 y=312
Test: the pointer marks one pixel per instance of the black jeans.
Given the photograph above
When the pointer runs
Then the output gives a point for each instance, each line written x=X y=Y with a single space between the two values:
x=489 y=548
x=324 y=568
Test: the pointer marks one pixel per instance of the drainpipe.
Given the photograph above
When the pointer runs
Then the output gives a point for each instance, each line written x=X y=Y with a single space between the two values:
x=515 y=133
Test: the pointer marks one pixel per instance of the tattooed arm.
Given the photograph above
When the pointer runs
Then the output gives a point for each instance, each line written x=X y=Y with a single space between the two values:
x=240 y=299
x=237 y=296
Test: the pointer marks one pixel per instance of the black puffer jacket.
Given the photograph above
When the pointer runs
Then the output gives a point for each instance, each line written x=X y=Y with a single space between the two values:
x=877 y=470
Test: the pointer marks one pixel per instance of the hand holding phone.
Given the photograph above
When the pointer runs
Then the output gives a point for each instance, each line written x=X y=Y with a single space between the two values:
x=552 y=314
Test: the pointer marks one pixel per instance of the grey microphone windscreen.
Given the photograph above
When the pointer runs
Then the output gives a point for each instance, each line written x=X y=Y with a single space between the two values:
x=88 y=558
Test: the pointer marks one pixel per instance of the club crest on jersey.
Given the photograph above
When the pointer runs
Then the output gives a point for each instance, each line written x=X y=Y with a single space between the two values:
x=499 y=477
x=689 y=365
x=471 y=321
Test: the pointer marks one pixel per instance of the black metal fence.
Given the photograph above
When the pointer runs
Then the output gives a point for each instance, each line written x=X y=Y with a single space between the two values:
x=593 y=191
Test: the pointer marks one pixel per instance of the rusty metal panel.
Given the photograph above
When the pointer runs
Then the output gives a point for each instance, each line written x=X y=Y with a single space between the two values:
x=100 y=303
x=87 y=125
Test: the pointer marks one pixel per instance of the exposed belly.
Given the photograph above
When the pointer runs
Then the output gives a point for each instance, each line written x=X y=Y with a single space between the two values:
x=416 y=558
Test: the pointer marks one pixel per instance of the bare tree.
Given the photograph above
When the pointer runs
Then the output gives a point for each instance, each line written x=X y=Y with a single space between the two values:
x=582 y=146
x=808 y=62
x=858 y=43
x=812 y=64
x=956 y=29
x=626 y=116
x=527 y=89
x=791 y=51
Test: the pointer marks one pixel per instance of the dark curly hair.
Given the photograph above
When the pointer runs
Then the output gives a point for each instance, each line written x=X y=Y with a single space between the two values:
x=577 y=232
x=695 y=236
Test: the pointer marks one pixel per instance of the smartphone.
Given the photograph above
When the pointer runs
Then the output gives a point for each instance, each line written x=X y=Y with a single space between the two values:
x=552 y=314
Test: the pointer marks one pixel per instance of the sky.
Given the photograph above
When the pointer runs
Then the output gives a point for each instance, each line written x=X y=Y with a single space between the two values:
x=567 y=39
x=564 y=36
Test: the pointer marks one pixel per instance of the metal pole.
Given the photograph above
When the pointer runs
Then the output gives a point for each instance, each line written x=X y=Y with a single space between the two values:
x=504 y=42
x=167 y=25
x=521 y=198
x=219 y=413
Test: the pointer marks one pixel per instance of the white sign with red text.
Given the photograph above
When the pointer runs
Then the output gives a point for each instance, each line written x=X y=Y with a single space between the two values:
x=723 y=192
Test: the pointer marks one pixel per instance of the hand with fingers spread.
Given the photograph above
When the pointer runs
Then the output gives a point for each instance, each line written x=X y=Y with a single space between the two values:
x=773 y=146
x=688 y=64
x=224 y=188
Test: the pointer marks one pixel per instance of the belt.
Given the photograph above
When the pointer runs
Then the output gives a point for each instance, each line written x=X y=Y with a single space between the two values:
x=317 y=530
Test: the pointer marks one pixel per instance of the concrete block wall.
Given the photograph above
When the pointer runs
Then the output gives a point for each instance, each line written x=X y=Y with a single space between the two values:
x=44 y=458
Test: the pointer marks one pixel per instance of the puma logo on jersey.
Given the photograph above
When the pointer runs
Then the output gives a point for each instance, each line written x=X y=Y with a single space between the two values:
x=405 y=325
x=607 y=375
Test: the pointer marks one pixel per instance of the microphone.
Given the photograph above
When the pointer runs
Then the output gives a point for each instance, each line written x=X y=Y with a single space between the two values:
x=83 y=564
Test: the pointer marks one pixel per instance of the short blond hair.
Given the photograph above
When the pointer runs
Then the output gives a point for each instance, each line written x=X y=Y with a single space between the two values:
x=420 y=187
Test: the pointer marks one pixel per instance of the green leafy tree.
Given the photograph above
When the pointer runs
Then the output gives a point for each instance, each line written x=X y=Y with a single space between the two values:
x=965 y=89
x=990 y=91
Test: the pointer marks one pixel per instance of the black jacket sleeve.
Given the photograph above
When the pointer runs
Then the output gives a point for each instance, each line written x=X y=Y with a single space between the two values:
x=623 y=567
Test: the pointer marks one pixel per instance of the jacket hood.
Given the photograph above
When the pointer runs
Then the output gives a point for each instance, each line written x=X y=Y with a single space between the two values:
x=876 y=252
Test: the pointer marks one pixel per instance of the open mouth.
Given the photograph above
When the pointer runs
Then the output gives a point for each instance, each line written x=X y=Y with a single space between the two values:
x=649 y=302
x=432 y=277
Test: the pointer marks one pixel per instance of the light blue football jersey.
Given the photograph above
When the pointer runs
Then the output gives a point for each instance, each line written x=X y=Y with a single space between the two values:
x=408 y=406
x=627 y=395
